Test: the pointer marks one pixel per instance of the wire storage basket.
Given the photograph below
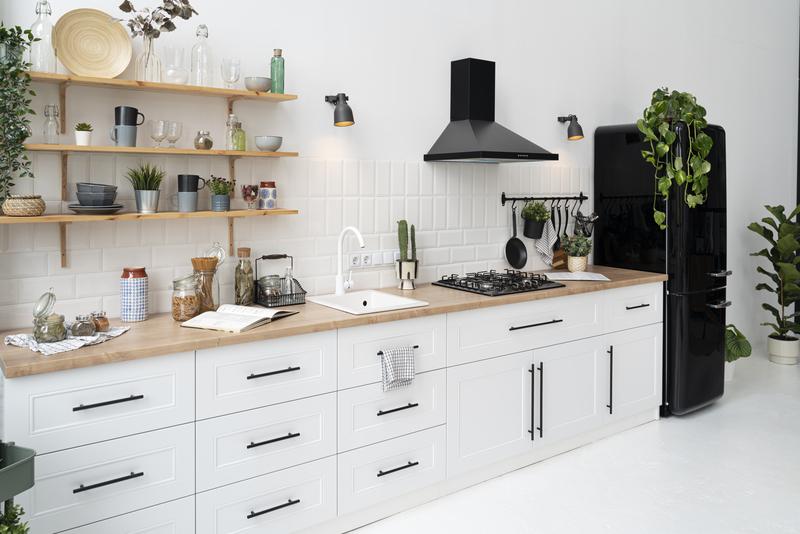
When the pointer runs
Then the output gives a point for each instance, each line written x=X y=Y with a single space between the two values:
x=290 y=293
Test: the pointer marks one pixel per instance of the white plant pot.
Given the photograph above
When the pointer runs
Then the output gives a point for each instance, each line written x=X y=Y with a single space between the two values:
x=83 y=138
x=730 y=367
x=783 y=351
x=407 y=272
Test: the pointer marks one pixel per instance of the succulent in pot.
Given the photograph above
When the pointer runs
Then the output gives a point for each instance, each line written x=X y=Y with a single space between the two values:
x=407 y=266
x=146 y=182
x=577 y=248
x=83 y=134
x=535 y=215
x=782 y=234
x=221 y=189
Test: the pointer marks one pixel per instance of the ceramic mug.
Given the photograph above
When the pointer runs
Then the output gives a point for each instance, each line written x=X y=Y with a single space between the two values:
x=185 y=201
x=127 y=116
x=123 y=135
x=190 y=183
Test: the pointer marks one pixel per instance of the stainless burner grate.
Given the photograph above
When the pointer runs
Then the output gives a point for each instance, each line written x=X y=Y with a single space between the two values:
x=494 y=283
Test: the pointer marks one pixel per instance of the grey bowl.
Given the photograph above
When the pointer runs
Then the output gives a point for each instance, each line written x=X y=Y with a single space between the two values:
x=86 y=187
x=268 y=143
x=257 y=83
x=106 y=198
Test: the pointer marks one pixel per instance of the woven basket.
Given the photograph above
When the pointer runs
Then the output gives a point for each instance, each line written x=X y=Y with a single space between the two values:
x=577 y=264
x=24 y=206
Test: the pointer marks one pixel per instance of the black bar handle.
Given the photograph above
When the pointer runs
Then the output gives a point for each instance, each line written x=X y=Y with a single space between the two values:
x=610 y=404
x=541 y=400
x=271 y=373
x=721 y=305
x=400 y=409
x=637 y=307
x=274 y=256
x=720 y=274
x=396 y=469
x=290 y=502
x=290 y=435
x=380 y=352
x=554 y=321
x=82 y=407
x=83 y=488
x=533 y=400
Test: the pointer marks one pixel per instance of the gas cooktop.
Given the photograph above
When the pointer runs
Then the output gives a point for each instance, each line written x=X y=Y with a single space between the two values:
x=493 y=283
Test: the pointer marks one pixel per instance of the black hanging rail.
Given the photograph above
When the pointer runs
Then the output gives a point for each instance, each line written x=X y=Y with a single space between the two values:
x=503 y=198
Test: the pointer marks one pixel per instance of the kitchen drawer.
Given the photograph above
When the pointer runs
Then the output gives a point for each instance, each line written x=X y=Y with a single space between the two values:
x=629 y=307
x=175 y=517
x=55 y=411
x=359 y=362
x=239 y=446
x=286 y=501
x=368 y=414
x=479 y=334
x=78 y=486
x=389 y=469
x=242 y=377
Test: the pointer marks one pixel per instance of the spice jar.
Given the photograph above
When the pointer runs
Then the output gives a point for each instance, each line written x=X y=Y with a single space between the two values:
x=185 y=302
x=100 y=321
x=270 y=285
x=83 y=326
x=48 y=327
x=243 y=278
x=203 y=140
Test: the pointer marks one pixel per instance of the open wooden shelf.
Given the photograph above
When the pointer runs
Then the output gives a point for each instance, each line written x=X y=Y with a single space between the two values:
x=165 y=151
x=70 y=218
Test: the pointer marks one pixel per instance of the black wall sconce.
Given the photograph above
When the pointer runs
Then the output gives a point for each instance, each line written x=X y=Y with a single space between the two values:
x=342 y=114
x=574 y=130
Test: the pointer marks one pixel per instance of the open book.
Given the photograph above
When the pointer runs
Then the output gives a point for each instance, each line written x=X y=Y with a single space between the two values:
x=232 y=318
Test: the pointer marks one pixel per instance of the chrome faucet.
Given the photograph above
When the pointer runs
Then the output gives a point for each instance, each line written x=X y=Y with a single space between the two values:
x=343 y=285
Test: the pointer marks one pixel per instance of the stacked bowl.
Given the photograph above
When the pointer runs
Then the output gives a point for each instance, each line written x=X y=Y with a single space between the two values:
x=96 y=199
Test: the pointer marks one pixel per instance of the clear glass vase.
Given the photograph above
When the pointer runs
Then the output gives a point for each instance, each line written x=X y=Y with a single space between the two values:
x=148 y=64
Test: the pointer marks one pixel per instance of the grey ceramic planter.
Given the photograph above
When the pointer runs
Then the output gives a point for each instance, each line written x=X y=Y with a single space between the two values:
x=220 y=202
x=147 y=201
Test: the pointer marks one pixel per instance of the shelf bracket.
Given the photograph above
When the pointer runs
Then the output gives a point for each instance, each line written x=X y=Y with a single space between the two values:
x=62 y=238
x=232 y=167
x=230 y=237
x=64 y=165
x=62 y=105
x=231 y=100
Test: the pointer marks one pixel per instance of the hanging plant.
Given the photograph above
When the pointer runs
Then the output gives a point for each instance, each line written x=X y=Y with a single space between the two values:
x=689 y=171
x=15 y=106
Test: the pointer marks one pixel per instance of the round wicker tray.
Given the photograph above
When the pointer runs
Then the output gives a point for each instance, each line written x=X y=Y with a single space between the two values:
x=23 y=206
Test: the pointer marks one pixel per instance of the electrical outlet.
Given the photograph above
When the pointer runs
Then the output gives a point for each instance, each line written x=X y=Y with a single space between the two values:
x=366 y=259
x=355 y=260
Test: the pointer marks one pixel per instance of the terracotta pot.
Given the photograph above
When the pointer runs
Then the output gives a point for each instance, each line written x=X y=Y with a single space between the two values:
x=784 y=351
x=577 y=264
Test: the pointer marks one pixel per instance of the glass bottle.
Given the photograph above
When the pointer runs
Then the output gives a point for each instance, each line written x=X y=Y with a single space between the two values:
x=207 y=290
x=239 y=137
x=230 y=131
x=42 y=58
x=243 y=278
x=276 y=69
x=83 y=326
x=51 y=125
x=185 y=301
x=148 y=64
x=201 y=59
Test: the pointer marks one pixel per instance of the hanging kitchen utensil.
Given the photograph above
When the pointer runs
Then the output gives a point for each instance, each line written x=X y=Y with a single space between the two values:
x=516 y=253
x=557 y=212
x=566 y=217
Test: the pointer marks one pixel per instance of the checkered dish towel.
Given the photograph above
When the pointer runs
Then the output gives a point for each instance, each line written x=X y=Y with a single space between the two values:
x=71 y=343
x=544 y=245
x=397 y=367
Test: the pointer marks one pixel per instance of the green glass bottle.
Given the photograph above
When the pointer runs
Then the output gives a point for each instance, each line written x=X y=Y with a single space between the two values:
x=276 y=70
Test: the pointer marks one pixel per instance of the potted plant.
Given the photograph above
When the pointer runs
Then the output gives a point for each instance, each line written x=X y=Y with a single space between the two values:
x=407 y=268
x=673 y=126
x=11 y=520
x=221 y=189
x=782 y=235
x=146 y=181
x=577 y=248
x=83 y=134
x=535 y=215
x=736 y=346
x=15 y=106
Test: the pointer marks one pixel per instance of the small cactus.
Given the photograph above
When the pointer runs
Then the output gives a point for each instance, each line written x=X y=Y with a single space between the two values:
x=413 y=243
x=402 y=239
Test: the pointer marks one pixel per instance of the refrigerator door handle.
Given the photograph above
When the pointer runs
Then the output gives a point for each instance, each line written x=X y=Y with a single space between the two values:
x=720 y=274
x=719 y=305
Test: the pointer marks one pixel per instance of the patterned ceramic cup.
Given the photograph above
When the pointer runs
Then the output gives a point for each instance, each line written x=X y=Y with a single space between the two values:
x=267 y=196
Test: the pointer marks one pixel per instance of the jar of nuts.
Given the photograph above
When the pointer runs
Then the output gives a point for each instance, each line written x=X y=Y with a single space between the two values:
x=185 y=302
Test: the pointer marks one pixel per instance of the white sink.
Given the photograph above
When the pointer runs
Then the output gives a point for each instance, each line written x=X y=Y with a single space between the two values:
x=368 y=301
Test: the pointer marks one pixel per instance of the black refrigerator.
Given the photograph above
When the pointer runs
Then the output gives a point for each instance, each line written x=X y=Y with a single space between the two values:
x=692 y=251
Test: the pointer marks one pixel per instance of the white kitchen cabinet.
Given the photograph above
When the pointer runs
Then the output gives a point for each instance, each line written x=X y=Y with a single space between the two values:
x=634 y=370
x=629 y=307
x=488 y=411
x=568 y=397
x=174 y=517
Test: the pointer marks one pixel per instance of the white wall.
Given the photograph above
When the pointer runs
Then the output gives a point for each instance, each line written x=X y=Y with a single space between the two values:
x=599 y=60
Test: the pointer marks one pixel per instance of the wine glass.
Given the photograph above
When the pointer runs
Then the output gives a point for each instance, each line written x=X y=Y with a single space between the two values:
x=250 y=195
x=174 y=131
x=158 y=132
x=231 y=70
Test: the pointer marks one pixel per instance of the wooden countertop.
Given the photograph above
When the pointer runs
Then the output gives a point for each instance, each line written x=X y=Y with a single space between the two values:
x=161 y=335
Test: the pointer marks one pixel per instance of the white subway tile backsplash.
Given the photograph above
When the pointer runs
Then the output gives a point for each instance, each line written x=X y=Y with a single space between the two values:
x=462 y=254
x=383 y=173
x=450 y=238
x=397 y=184
x=366 y=178
x=114 y=259
x=350 y=178
x=97 y=284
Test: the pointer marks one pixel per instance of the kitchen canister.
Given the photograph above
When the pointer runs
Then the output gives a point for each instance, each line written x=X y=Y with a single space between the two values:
x=133 y=291
x=267 y=196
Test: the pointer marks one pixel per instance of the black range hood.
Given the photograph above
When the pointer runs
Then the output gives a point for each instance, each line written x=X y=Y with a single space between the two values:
x=472 y=135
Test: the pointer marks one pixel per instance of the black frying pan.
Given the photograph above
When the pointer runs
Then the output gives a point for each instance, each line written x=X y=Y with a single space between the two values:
x=516 y=253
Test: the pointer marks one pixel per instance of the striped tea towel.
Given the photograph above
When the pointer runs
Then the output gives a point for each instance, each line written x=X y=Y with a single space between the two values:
x=397 y=367
x=544 y=245
x=71 y=343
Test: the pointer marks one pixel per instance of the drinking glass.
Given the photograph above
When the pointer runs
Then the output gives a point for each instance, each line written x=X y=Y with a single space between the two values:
x=174 y=130
x=231 y=70
x=158 y=132
x=250 y=195
x=175 y=70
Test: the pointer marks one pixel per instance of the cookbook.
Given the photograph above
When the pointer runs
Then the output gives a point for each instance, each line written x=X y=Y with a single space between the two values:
x=235 y=319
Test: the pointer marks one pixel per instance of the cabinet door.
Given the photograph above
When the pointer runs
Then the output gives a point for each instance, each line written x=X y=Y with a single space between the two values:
x=488 y=411
x=568 y=390
x=634 y=370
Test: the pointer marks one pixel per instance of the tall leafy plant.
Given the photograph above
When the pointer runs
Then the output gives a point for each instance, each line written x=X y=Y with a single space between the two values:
x=782 y=234
x=689 y=170
x=15 y=106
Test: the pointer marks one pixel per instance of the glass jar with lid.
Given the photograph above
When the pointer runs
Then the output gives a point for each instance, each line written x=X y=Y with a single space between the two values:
x=185 y=301
x=83 y=326
x=48 y=327
x=270 y=286
x=100 y=321
x=244 y=285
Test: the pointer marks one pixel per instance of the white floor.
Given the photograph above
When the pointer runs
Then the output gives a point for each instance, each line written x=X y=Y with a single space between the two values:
x=731 y=468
